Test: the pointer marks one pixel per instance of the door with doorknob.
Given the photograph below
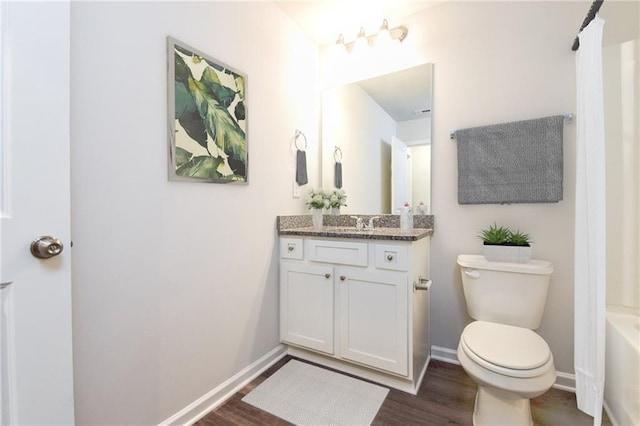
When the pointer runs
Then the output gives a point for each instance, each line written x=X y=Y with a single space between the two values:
x=35 y=262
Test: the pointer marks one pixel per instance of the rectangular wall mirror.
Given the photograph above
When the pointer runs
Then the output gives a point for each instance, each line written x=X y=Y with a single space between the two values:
x=382 y=127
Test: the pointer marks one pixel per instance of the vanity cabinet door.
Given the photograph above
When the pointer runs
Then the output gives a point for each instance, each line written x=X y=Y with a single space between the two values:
x=306 y=305
x=373 y=318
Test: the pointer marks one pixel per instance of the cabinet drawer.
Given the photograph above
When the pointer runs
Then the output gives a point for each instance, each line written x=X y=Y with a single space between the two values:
x=340 y=252
x=393 y=257
x=291 y=248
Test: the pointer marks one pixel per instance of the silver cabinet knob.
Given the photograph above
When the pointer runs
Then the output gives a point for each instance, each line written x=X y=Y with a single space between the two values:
x=389 y=257
x=342 y=278
x=46 y=247
x=327 y=275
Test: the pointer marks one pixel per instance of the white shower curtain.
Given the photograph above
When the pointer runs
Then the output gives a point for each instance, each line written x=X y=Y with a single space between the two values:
x=590 y=242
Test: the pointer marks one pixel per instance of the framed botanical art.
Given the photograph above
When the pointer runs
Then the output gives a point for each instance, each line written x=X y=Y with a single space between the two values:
x=207 y=117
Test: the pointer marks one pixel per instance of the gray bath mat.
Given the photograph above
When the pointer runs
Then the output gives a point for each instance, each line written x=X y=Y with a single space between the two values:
x=307 y=395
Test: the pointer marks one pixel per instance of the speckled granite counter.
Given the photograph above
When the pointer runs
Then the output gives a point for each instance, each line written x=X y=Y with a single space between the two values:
x=387 y=227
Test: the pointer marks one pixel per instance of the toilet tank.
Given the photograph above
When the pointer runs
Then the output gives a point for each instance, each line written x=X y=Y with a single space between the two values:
x=506 y=293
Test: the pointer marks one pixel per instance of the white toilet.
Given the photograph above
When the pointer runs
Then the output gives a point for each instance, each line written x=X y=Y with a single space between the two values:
x=499 y=351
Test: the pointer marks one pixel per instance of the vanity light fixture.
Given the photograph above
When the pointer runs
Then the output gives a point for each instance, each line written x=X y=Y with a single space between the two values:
x=385 y=35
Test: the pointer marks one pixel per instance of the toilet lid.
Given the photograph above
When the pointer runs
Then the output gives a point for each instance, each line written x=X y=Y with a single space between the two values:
x=506 y=346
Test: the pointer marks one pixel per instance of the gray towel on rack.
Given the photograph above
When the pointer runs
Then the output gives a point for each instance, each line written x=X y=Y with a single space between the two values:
x=301 y=168
x=518 y=162
x=338 y=175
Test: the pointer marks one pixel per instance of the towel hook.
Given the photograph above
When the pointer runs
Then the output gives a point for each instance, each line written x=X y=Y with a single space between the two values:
x=337 y=155
x=298 y=134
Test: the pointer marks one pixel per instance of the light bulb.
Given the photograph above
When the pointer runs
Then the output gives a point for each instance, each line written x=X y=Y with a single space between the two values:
x=384 y=36
x=340 y=47
x=361 y=42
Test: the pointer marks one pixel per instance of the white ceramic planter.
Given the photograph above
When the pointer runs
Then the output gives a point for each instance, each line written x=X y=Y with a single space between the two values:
x=511 y=254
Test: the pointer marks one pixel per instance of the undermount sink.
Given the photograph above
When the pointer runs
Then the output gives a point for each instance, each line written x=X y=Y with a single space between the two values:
x=348 y=229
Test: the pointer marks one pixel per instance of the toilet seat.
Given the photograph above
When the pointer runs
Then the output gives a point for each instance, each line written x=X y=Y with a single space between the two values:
x=507 y=350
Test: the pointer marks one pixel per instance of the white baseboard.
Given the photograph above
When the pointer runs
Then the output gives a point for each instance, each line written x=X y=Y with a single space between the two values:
x=612 y=418
x=444 y=354
x=564 y=381
x=217 y=396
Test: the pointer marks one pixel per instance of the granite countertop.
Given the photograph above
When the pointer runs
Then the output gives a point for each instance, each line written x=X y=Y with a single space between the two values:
x=342 y=226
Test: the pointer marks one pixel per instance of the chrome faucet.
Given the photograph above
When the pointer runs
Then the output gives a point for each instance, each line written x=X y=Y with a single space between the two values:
x=359 y=222
x=370 y=225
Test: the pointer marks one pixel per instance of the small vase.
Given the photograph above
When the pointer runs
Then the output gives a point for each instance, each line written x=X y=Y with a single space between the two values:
x=335 y=211
x=317 y=219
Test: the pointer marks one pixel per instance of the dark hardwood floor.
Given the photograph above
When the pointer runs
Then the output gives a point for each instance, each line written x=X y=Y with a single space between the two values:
x=446 y=397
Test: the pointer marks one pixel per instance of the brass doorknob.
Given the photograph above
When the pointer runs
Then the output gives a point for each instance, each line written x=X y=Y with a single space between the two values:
x=46 y=247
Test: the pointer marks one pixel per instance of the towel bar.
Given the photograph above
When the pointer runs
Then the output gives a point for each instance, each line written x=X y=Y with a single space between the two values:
x=567 y=117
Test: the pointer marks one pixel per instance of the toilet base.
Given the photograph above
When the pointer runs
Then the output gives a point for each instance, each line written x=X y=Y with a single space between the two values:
x=496 y=407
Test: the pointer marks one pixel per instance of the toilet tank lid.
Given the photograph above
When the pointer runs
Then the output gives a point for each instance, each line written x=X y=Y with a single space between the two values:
x=477 y=261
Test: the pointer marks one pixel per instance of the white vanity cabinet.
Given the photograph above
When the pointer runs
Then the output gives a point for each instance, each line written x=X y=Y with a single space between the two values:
x=350 y=304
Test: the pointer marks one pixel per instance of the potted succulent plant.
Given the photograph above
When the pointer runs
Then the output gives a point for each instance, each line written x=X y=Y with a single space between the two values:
x=503 y=245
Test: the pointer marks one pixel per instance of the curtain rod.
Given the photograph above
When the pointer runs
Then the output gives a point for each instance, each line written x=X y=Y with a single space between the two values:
x=595 y=7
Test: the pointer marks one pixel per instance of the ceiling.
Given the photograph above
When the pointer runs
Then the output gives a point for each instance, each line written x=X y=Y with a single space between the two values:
x=404 y=95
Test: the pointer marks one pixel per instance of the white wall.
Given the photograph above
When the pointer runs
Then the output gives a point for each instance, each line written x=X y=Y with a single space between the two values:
x=416 y=131
x=341 y=106
x=420 y=176
x=417 y=135
x=494 y=63
x=621 y=72
x=175 y=285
